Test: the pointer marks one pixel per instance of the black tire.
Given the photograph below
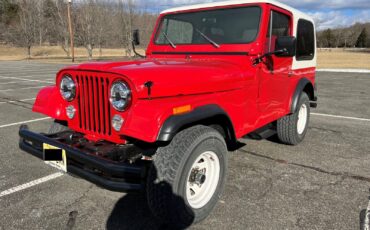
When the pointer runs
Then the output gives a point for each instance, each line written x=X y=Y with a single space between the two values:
x=168 y=176
x=57 y=127
x=287 y=130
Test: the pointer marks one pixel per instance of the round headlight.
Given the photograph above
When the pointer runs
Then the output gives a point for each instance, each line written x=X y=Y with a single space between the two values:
x=67 y=88
x=120 y=96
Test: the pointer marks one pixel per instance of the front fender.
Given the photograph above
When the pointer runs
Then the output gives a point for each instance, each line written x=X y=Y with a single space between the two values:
x=174 y=123
x=50 y=103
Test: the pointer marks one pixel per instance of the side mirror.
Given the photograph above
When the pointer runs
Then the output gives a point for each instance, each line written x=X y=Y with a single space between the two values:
x=286 y=46
x=136 y=37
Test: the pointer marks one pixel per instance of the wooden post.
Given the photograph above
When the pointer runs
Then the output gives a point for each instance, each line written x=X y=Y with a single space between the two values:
x=70 y=29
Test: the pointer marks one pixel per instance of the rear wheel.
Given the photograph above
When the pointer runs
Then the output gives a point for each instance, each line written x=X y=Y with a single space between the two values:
x=292 y=128
x=187 y=177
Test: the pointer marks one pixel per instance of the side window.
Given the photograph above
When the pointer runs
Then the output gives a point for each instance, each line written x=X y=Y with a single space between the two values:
x=179 y=32
x=279 y=26
x=305 y=40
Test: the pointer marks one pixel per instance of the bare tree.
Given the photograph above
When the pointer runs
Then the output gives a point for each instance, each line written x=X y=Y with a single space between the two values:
x=97 y=24
x=126 y=9
x=145 y=22
x=41 y=30
x=86 y=25
x=337 y=38
x=8 y=16
x=103 y=25
x=350 y=36
x=26 y=30
x=61 y=24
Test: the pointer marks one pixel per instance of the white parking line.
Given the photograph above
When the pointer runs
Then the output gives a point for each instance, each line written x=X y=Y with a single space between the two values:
x=344 y=70
x=13 y=82
x=38 y=74
x=28 y=99
x=24 y=122
x=25 y=79
x=30 y=75
x=33 y=87
x=10 y=71
x=31 y=184
x=39 y=78
x=341 y=117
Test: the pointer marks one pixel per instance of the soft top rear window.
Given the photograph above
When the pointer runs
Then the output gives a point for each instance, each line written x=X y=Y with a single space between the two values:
x=305 y=40
x=223 y=26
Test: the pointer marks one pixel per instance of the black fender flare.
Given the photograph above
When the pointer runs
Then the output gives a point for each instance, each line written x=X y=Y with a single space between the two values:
x=298 y=92
x=176 y=123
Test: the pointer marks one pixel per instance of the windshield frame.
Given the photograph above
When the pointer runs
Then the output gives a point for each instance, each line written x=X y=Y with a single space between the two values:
x=163 y=17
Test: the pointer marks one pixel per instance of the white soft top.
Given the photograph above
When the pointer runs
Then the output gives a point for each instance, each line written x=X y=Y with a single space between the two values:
x=297 y=64
x=294 y=11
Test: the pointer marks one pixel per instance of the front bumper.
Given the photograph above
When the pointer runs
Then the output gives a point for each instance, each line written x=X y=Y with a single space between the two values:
x=115 y=176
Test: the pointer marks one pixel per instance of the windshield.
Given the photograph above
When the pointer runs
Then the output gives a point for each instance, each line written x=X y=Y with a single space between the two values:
x=225 y=26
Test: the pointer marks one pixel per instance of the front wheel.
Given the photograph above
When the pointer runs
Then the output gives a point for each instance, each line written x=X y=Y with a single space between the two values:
x=187 y=177
x=292 y=128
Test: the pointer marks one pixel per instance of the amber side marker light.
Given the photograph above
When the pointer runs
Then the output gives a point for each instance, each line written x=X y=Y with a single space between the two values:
x=181 y=109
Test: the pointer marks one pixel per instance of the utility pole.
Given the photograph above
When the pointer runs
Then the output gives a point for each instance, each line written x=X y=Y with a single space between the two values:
x=70 y=29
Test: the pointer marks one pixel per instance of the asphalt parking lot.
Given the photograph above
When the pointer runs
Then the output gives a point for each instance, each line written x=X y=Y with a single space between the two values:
x=321 y=184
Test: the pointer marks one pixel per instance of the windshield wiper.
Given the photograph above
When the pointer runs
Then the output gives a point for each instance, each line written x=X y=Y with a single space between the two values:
x=169 y=40
x=207 y=38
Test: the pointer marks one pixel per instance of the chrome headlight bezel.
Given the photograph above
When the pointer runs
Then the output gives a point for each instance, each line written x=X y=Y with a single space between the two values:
x=67 y=88
x=120 y=96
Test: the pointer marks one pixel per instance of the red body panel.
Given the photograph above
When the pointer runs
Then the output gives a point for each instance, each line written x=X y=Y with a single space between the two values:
x=252 y=96
x=50 y=103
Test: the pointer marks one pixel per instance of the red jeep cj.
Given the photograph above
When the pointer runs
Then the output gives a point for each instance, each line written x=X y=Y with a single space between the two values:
x=213 y=73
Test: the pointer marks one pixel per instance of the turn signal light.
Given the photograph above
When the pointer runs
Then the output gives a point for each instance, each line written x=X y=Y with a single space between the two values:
x=181 y=109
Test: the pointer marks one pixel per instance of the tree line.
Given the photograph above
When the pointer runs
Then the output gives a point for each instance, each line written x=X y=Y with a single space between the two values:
x=97 y=24
x=355 y=36
x=101 y=24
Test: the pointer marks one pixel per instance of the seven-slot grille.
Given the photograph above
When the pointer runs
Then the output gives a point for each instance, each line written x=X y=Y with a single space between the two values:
x=93 y=104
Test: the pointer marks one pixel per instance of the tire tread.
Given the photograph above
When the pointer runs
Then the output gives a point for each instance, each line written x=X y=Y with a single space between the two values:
x=287 y=126
x=167 y=162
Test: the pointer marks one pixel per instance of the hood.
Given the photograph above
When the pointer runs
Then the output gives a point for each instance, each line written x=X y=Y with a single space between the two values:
x=174 y=77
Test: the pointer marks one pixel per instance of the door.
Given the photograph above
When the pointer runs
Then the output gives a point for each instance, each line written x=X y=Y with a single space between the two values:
x=274 y=71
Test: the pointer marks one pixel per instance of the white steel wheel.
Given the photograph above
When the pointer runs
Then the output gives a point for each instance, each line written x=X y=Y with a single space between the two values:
x=203 y=179
x=184 y=188
x=292 y=128
x=302 y=119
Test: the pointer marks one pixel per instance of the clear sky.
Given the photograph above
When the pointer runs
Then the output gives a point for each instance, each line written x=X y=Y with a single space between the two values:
x=327 y=13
